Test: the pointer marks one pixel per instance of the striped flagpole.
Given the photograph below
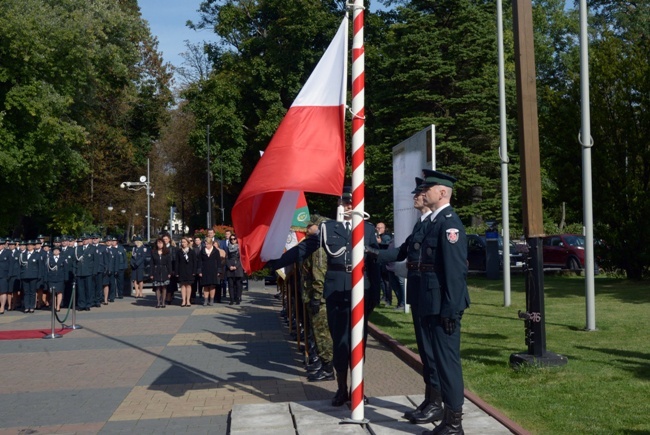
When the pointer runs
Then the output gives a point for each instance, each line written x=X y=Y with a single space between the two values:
x=358 y=125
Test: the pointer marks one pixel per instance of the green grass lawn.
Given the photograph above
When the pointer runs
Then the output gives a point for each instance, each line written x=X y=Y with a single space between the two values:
x=605 y=387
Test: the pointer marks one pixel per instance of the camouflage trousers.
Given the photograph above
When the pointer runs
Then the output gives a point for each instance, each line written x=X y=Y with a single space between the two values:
x=322 y=334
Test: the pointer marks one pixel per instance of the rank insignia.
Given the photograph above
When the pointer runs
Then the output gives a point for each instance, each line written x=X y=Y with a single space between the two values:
x=452 y=235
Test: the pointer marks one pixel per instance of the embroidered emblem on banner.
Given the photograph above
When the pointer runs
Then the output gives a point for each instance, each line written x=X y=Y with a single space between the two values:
x=452 y=235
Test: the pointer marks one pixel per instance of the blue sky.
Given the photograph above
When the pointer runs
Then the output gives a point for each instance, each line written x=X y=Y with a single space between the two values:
x=167 y=20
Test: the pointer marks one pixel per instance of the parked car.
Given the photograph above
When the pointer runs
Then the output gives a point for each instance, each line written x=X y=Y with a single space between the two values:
x=476 y=253
x=566 y=251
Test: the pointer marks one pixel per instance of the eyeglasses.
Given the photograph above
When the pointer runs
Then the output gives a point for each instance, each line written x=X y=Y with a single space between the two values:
x=233 y=238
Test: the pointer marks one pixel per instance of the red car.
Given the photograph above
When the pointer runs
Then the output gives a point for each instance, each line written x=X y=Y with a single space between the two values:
x=566 y=251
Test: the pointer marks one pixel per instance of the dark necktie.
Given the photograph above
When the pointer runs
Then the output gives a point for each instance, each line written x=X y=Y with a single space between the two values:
x=348 y=227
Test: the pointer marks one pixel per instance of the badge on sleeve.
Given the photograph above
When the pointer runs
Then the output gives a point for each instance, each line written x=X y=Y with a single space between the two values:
x=452 y=235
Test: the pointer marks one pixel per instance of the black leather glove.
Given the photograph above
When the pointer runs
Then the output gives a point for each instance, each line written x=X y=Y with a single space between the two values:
x=314 y=306
x=449 y=325
x=372 y=252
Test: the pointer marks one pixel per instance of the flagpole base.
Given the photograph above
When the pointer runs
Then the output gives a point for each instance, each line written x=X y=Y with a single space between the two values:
x=350 y=421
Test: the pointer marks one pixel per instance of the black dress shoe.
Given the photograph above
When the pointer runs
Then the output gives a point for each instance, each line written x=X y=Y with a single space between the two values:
x=87 y=309
x=340 y=398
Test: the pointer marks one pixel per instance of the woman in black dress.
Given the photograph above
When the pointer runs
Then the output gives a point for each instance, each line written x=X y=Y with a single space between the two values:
x=185 y=270
x=173 y=282
x=209 y=270
x=234 y=271
x=161 y=271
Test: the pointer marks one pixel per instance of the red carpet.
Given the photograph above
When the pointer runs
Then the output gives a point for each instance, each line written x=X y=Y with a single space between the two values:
x=30 y=333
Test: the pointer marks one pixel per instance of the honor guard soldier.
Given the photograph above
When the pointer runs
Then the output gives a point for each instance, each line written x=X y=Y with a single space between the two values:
x=31 y=271
x=84 y=270
x=57 y=269
x=443 y=294
x=5 y=269
x=336 y=239
x=314 y=269
x=430 y=409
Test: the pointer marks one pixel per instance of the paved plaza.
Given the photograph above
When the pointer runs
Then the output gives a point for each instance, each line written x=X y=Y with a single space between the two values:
x=218 y=370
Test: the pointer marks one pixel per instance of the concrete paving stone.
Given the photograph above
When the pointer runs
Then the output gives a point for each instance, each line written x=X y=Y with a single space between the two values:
x=397 y=428
x=389 y=408
x=252 y=411
x=282 y=431
x=342 y=429
x=262 y=423
x=60 y=407
x=415 y=399
x=306 y=420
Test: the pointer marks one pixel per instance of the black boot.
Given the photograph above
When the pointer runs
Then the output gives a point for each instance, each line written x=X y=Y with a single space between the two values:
x=432 y=411
x=315 y=366
x=341 y=395
x=409 y=414
x=450 y=425
x=326 y=373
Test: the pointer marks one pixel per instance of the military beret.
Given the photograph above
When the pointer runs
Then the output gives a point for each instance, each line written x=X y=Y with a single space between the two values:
x=434 y=178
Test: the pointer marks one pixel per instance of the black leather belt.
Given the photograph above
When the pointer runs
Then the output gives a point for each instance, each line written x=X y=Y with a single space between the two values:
x=420 y=267
x=340 y=267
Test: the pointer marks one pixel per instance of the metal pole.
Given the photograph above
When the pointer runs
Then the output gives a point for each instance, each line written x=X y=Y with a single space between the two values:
x=74 y=307
x=209 y=193
x=357 y=322
x=503 y=154
x=52 y=334
x=148 y=202
x=586 y=141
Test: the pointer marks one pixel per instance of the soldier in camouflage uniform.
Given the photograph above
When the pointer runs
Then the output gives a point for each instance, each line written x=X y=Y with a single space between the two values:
x=313 y=275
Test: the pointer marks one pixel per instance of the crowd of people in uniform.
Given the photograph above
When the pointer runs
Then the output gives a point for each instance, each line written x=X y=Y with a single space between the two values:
x=436 y=281
x=35 y=274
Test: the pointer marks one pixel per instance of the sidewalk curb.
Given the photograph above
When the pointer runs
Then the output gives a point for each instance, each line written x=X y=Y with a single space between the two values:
x=413 y=360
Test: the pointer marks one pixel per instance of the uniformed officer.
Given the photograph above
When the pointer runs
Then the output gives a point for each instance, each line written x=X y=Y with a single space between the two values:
x=99 y=271
x=84 y=269
x=31 y=271
x=108 y=283
x=67 y=252
x=14 y=274
x=120 y=267
x=336 y=239
x=57 y=269
x=443 y=294
x=313 y=273
x=430 y=409
x=6 y=260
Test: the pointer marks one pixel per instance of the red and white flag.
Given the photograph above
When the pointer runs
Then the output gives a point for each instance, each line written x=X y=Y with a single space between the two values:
x=306 y=154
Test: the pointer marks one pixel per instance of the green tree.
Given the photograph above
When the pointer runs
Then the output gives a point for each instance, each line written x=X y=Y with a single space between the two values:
x=82 y=94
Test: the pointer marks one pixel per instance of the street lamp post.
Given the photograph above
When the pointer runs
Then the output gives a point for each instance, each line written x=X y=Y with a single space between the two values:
x=144 y=183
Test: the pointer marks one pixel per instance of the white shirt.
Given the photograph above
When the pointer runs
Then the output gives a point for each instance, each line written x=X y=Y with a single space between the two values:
x=437 y=211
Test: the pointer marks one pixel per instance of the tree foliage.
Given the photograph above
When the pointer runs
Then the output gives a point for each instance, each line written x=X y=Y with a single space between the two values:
x=82 y=94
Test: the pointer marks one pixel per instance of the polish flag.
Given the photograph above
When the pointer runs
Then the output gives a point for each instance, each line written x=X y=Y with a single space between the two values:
x=306 y=154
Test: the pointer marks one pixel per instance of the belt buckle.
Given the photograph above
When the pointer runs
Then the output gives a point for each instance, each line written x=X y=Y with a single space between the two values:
x=348 y=268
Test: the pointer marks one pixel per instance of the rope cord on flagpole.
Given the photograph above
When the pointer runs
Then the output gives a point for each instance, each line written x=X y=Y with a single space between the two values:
x=354 y=115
